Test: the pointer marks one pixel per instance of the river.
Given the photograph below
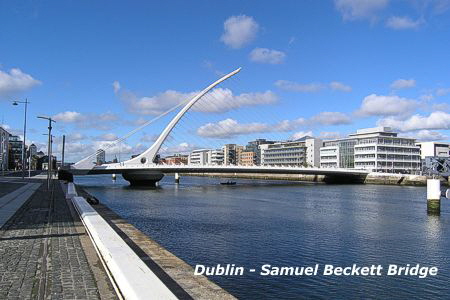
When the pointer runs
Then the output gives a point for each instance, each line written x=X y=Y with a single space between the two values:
x=291 y=224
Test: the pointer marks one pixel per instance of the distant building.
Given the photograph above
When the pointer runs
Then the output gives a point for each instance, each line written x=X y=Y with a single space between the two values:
x=378 y=149
x=101 y=157
x=15 y=152
x=32 y=150
x=433 y=149
x=247 y=158
x=253 y=146
x=206 y=157
x=4 y=149
x=231 y=153
x=176 y=159
x=302 y=152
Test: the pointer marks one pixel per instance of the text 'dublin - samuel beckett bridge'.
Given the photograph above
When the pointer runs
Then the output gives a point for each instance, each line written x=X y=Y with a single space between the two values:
x=145 y=170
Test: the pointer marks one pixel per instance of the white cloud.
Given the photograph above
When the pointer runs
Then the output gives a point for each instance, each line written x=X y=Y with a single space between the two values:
x=15 y=81
x=116 y=86
x=435 y=121
x=330 y=135
x=442 y=91
x=239 y=31
x=312 y=87
x=359 y=9
x=104 y=121
x=402 y=23
x=230 y=128
x=267 y=56
x=441 y=106
x=403 y=84
x=218 y=100
x=299 y=87
x=107 y=137
x=426 y=97
x=339 y=86
x=427 y=135
x=330 y=118
x=300 y=134
x=183 y=148
x=379 y=105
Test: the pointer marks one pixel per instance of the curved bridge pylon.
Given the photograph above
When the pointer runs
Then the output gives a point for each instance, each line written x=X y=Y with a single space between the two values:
x=136 y=170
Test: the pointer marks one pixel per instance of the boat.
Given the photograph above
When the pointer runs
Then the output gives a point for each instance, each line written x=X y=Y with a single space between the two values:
x=228 y=183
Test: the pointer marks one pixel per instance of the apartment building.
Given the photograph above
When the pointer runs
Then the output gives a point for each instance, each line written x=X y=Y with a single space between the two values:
x=378 y=149
x=247 y=158
x=434 y=149
x=253 y=146
x=176 y=159
x=231 y=154
x=301 y=152
x=206 y=157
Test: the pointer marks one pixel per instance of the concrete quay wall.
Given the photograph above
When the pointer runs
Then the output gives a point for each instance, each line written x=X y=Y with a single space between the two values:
x=371 y=178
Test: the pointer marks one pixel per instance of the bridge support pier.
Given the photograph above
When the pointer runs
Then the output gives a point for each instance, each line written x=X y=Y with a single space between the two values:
x=142 y=177
x=433 y=196
x=177 y=178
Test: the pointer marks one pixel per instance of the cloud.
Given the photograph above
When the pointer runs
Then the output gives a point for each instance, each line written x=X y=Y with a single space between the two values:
x=299 y=87
x=15 y=81
x=116 y=86
x=435 y=121
x=426 y=97
x=379 y=105
x=330 y=118
x=441 y=106
x=267 y=56
x=402 y=23
x=106 y=137
x=311 y=87
x=330 y=135
x=442 y=92
x=229 y=128
x=403 y=84
x=239 y=31
x=427 y=135
x=300 y=134
x=339 y=86
x=182 y=148
x=216 y=101
x=104 y=121
x=360 y=9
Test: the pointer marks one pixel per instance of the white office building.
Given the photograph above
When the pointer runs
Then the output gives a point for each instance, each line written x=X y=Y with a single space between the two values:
x=206 y=157
x=377 y=149
x=434 y=149
x=302 y=152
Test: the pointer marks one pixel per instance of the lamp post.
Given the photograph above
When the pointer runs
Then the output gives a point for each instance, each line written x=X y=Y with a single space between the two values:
x=24 y=134
x=49 y=151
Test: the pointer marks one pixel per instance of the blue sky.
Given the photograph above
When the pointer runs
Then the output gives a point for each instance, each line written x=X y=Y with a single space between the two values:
x=324 y=68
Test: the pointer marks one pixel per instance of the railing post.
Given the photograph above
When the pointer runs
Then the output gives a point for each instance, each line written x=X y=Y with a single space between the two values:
x=433 y=196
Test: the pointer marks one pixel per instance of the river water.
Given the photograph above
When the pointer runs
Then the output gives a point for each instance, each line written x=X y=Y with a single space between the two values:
x=292 y=224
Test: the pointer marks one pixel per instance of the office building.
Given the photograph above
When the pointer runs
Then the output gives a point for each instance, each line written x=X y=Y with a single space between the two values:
x=206 y=157
x=253 y=146
x=302 y=152
x=101 y=156
x=434 y=149
x=378 y=149
x=15 y=152
x=176 y=159
x=4 y=149
x=247 y=158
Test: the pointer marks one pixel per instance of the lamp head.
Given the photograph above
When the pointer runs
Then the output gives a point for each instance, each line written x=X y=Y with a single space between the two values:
x=15 y=103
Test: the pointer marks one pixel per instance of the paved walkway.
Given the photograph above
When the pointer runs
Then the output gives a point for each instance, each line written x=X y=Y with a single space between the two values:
x=45 y=253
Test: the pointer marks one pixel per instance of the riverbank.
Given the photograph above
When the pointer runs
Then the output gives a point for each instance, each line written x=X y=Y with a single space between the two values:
x=371 y=178
x=170 y=269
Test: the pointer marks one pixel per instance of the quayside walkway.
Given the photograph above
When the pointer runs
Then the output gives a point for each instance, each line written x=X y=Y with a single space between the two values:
x=45 y=252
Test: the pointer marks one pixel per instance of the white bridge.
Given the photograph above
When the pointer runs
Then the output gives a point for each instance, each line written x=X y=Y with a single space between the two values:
x=143 y=169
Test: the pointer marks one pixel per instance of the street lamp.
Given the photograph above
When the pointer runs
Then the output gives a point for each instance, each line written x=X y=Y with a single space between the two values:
x=24 y=134
x=49 y=151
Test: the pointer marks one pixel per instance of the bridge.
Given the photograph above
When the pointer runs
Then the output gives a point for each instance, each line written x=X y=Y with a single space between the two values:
x=144 y=169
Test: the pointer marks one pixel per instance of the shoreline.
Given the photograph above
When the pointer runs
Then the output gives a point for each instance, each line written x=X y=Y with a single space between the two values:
x=170 y=268
x=372 y=178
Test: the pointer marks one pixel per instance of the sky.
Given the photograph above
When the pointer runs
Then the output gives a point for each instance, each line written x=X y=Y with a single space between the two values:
x=321 y=68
